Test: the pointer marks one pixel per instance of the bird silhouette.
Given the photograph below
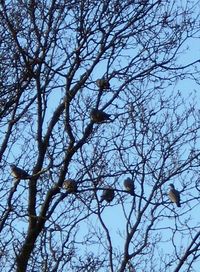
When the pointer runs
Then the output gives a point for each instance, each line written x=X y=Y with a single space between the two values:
x=70 y=185
x=103 y=84
x=174 y=195
x=108 y=194
x=99 y=116
x=129 y=185
x=18 y=173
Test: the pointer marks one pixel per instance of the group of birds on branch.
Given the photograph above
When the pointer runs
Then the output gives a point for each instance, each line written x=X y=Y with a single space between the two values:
x=99 y=116
x=108 y=193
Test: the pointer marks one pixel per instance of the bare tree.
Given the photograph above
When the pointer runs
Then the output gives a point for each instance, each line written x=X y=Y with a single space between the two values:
x=88 y=99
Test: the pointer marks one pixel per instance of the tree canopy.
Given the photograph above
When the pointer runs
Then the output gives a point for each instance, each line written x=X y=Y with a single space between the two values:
x=90 y=95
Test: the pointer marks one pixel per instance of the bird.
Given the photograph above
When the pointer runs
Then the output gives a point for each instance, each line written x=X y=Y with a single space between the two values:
x=108 y=194
x=174 y=195
x=129 y=185
x=103 y=84
x=70 y=185
x=18 y=173
x=99 y=116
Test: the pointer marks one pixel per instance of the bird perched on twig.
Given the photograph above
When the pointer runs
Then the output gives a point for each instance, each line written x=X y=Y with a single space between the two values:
x=103 y=84
x=19 y=173
x=129 y=185
x=174 y=195
x=99 y=116
x=108 y=194
x=70 y=185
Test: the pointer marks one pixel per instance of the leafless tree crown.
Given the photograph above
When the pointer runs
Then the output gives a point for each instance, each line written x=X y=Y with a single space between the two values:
x=95 y=126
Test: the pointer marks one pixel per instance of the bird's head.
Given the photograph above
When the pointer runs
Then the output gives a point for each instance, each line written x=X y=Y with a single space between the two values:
x=93 y=110
x=128 y=180
x=12 y=165
x=98 y=81
x=171 y=185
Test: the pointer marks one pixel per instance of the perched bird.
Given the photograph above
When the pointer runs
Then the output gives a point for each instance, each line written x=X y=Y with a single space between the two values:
x=70 y=185
x=129 y=185
x=108 y=194
x=174 y=195
x=103 y=84
x=18 y=173
x=99 y=116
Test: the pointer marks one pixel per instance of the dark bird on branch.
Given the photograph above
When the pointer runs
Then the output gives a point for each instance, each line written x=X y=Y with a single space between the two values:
x=70 y=185
x=129 y=185
x=99 y=116
x=174 y=195
x=19 y=173
x=103 y=84
x=108 y=194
